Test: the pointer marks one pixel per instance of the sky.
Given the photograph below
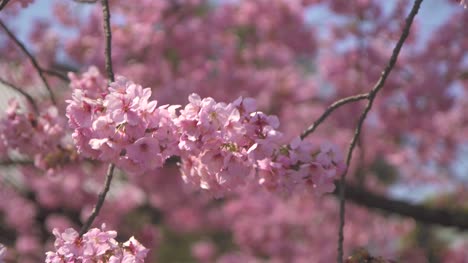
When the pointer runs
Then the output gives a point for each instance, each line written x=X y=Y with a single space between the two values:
x=431 y=15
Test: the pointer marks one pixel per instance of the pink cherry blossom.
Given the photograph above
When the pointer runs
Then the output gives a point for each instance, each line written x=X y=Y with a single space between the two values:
x=285 y=66
x=96 y=245
x=3 y=252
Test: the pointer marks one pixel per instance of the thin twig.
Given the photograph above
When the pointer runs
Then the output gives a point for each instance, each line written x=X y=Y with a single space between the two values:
x=380 y=83
x=86 y=1
x=22 y=92
x=3 y=4
x=9 y=162
x=448 y=217
x=100 y=202
x=108 y=33
x=110 y=75
x=57 y=74
x=330 y=109
x=31 y=58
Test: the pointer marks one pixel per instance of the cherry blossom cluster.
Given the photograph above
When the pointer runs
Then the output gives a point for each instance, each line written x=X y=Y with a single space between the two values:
x=30 y=134
x=268 y=49
x=121 y=124
x=96 y=245
x=224 y=145
x=221 y=145
x=302 y=164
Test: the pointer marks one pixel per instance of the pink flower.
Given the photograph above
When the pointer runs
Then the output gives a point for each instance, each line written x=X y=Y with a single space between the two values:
x=204 y=251
x=3 y=251
x=146 y=152
x=134 y=251
x=96 y=245
x=220 y=144
x=120 y=124
x=463 y=3
x=121 y=108
x=301 y=166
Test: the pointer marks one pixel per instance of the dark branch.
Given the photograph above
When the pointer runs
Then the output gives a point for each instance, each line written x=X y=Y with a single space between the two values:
x=57 y=74
x=22 y=92
x=9 y=162
x=110 y=75
x=330 y=109
x=86 y=1
x=31 y=58
x=108 y=34
x=100 y=202
x=3 y=4
x=378 y=86
x=422 y=213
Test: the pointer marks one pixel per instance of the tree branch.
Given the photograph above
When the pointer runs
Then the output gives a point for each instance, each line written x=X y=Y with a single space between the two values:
x=110 y=75
x=422 y=213
x=31 y=58
x=85 y=1
x=57 y=74
x=100 y=202
x=8 y=162
x=108 y=34
x=372 y=94
x=22 y=92
x=335 y=105
x=3 y=4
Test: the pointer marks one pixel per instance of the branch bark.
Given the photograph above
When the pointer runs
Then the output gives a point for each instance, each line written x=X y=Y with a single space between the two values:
x=57 y=74
x=3 y=4
x=28 y=97
x=110 y=75
x=335 y=105
x=372 y=94
x=9 y=162
x=108 y=34
x=86 y=1
x=100 y=202
x=457 y=218
x=31 y=58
